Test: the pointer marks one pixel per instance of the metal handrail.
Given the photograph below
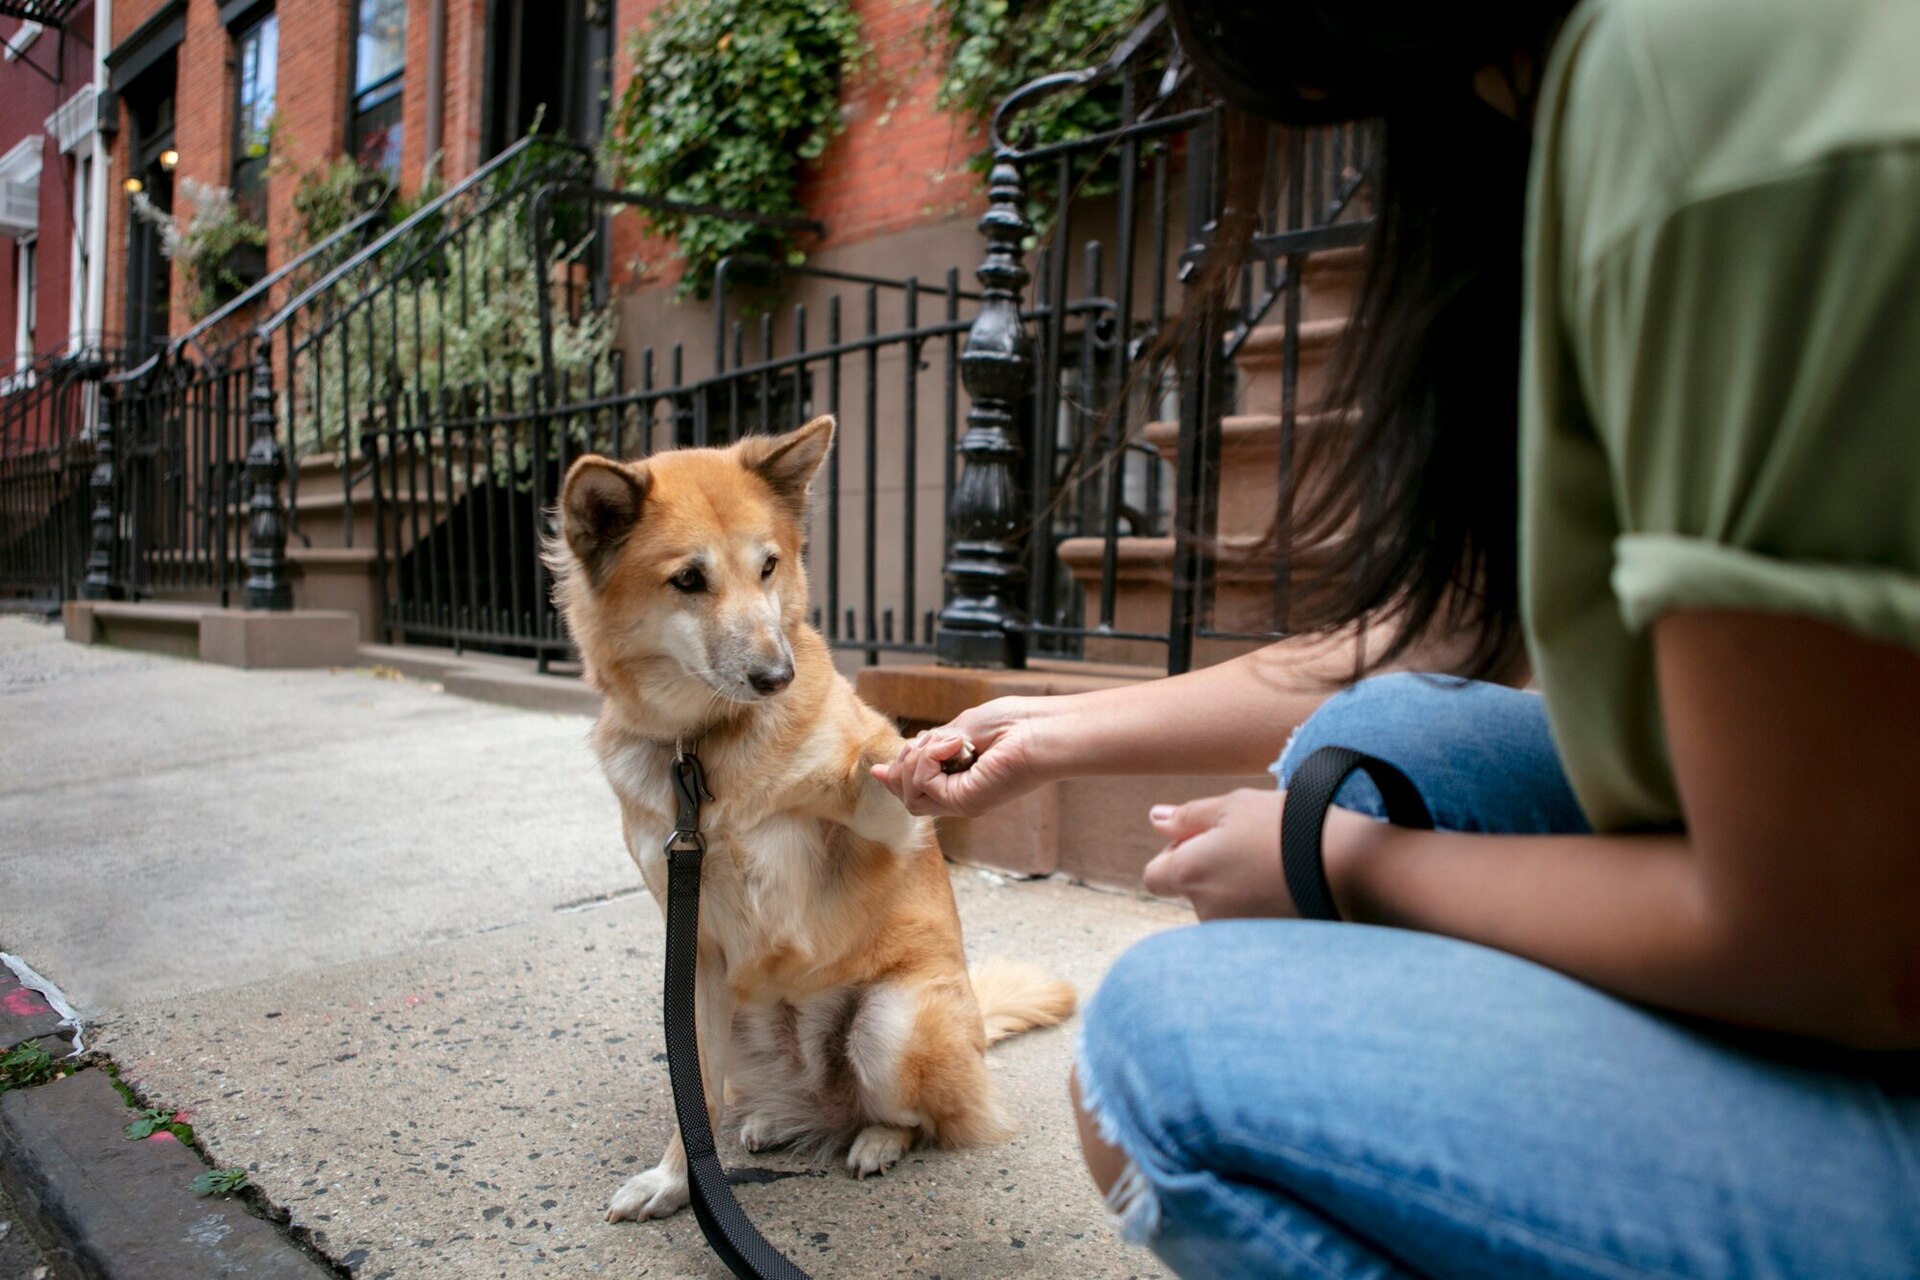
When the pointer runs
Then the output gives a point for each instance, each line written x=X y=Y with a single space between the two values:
x=431 y=209
x=1122 y=55
x=260 y=288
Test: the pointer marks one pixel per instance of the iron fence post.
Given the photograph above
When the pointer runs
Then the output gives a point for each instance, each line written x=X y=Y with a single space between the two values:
x=982 y=623
x=267 y=584
x=101 y=582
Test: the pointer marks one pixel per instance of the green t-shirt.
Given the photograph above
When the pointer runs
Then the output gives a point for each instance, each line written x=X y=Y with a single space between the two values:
x=1721 y=393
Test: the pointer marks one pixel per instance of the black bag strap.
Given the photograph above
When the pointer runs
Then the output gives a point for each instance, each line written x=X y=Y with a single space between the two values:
x=733 y=1237
x=1309 y=793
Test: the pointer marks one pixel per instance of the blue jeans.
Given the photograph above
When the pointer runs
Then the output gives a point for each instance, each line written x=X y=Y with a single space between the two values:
x=1328 y=1100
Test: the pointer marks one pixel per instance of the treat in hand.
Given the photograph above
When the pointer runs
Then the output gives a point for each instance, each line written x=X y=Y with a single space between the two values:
x=962 y=760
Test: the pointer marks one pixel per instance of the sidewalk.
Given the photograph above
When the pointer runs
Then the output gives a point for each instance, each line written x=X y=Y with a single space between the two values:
x=384 y=947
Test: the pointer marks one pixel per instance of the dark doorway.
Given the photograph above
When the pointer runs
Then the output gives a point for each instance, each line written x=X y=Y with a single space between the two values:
x=150 y=191
x=547 y=61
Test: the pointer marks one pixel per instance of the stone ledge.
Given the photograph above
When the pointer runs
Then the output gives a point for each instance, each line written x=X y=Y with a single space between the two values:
x=923 y=696
x=247 y=638
x=528 y=690
x=127 y=1209
x=486 y=677
x=1089 y=829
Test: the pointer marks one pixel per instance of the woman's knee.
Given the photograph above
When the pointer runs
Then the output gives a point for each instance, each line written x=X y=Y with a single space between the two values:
x=1375 y=715
x=1481 y=755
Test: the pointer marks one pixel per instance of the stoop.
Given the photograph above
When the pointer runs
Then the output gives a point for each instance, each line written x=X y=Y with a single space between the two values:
x=1088 y=829
x=249 y=638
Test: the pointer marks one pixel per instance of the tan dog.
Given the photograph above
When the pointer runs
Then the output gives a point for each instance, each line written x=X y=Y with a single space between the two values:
x=833 y=1002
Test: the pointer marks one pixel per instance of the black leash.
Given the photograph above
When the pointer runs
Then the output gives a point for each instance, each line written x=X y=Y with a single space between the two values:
x=735 y=1239
x=1310 y=793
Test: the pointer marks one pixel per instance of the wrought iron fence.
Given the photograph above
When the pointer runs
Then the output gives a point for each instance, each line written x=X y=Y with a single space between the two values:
x=1032 y=468
x=1092 y=418
x=462 y=481
x=48 y=412
x=1086 y=523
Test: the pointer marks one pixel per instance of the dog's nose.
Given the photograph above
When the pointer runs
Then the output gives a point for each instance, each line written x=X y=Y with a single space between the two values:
x=771 y=680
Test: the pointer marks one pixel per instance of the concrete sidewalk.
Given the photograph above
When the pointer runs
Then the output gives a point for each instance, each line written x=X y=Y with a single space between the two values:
x=386 y=949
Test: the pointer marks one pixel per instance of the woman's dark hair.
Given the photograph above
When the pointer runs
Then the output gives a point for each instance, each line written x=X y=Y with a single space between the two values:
x=1417 y=519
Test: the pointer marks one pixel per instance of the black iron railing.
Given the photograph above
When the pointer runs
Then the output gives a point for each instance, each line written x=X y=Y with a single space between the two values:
x=1085 y=521
x=462 y=480
x=49 y=412
x=1004 y=455
x=1032 y=468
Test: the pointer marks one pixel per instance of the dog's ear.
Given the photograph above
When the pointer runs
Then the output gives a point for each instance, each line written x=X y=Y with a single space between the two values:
x=599 y=507
x=788 y=463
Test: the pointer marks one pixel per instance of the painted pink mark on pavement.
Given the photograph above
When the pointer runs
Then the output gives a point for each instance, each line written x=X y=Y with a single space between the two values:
x=162 y=1135
x=22 y=1003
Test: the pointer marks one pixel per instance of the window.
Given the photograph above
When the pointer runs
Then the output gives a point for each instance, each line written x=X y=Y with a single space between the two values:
x=80 y=262
x=379 y=63
x=26 y=284
x=256 y=65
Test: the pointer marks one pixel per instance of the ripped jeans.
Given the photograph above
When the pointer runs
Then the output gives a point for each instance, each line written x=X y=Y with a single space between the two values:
x=1341 y=1101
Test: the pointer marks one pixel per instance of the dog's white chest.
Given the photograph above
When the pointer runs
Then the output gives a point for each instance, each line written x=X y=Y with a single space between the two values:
x=761 y=869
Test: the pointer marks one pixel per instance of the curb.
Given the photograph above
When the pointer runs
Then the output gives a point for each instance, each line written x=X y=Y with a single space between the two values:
x=103 y=1206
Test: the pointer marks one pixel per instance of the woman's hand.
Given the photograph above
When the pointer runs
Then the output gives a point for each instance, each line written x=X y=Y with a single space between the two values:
x=1222 y=855
x=1005 y=764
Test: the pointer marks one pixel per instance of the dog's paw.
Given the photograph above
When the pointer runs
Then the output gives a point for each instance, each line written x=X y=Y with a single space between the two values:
x=653 y=1194
x=758 y=1133
x=877 y=1148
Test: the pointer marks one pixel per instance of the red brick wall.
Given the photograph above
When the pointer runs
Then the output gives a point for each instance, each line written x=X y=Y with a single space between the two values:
x=27 y=98
x=311 y=102
x=466 y=81
x=901 y=161
x=310 y=121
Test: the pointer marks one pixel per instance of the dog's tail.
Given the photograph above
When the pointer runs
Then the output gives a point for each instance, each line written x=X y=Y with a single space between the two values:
x=1017 y=997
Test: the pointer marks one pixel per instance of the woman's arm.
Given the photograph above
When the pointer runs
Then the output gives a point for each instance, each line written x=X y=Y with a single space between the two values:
x=1223 y=720
x=1793 y=901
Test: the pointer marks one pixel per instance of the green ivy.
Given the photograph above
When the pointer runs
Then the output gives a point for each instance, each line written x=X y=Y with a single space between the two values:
x=728 y=102
x=992 y=47
x=330 y=197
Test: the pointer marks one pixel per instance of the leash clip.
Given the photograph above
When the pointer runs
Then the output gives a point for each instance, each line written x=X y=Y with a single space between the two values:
x=689 y=788
x=683 y=841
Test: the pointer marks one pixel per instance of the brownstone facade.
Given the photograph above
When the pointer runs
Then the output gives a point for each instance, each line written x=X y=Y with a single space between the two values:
x=899 y=165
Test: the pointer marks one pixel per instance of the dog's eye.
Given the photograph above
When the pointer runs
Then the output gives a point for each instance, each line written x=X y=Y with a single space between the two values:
x=766 y=570
x=689 y=580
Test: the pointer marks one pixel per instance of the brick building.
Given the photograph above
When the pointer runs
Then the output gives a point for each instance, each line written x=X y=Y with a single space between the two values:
x=52 y=184
x=252 y=94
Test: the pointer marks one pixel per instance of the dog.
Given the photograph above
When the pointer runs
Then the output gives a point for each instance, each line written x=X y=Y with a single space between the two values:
x=834 y=1007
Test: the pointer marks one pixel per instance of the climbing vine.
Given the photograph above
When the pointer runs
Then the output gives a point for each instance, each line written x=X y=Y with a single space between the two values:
x=729 y=100
x=992 y=47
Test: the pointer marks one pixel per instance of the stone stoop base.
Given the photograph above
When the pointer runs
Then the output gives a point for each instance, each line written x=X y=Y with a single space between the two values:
x=1089 y=829
x=254 y=639
x=485 y=677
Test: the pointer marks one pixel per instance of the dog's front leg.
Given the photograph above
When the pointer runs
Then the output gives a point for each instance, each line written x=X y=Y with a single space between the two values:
x=662 y=1189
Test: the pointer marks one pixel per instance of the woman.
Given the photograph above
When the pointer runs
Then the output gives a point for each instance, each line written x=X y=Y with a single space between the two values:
x=1649 y=999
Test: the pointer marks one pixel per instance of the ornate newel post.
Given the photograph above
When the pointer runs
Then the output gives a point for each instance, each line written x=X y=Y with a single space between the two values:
x=983 y=623
x=267 y=585
x=100 y=582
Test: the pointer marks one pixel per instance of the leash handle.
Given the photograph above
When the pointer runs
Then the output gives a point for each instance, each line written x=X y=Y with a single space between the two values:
x=1310 y=793
x=731 y=1234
